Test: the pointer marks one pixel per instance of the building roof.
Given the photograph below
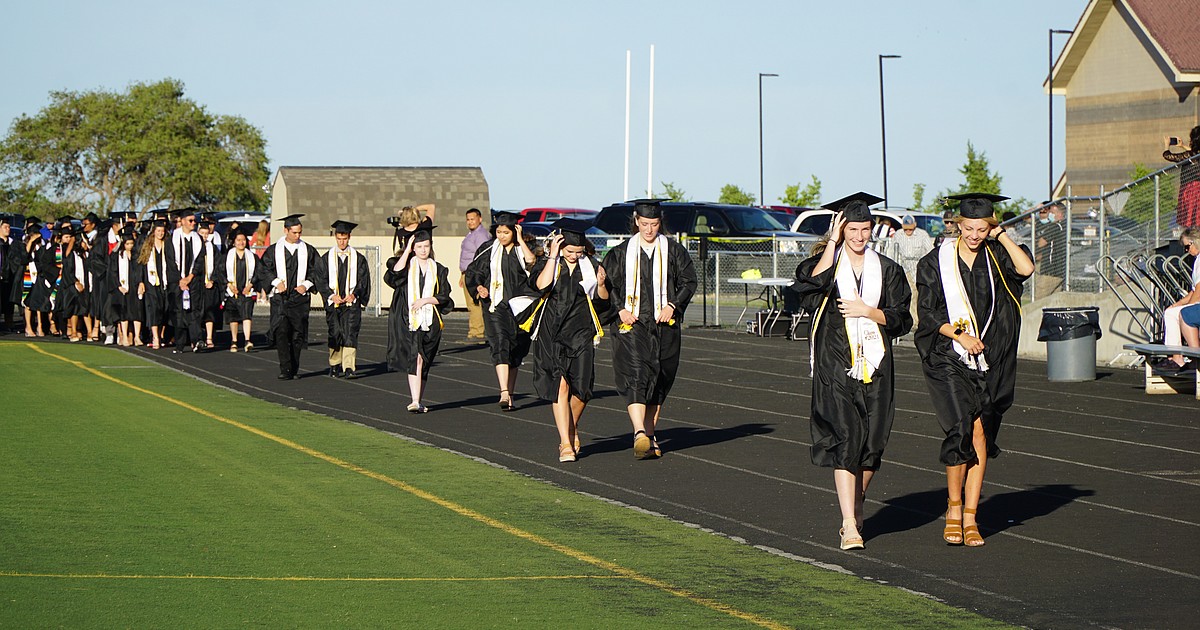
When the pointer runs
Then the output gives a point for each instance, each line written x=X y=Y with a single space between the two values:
x=1169 y=26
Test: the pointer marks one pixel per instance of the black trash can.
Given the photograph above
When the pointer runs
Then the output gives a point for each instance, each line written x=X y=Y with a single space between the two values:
x=1070 y=334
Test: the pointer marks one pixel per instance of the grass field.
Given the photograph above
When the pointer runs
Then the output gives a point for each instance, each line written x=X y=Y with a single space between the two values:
x=135 y=496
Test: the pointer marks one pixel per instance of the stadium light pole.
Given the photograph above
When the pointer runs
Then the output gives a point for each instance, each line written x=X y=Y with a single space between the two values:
x=761 y=197
x=1050 y=105
x=883 y=126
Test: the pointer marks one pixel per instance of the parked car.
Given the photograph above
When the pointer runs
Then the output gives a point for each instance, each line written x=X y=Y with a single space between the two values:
x=816 y=222
x=553 y=214
x=225 y=219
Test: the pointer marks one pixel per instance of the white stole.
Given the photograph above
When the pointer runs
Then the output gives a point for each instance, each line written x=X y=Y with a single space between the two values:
x=231 y=271
x=633 y=277
x=153 y=273
x=123 y=271
x=177 y=245
x=80 y=274
x=351 y=271
x=282 y=248
x=423 y=318
x=866 y=340
x=210 y=260
x=958 y=305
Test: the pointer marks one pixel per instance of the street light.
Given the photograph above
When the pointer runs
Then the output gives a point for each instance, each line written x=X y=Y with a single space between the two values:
x=1050 y=103
x=883 y=126
x=761 y=197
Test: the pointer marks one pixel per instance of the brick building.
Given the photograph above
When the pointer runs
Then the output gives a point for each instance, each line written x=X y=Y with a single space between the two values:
x=1130 y=73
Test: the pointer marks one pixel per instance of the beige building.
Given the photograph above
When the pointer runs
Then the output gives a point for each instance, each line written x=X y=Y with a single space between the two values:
x=369 y=195
x=1130 y=73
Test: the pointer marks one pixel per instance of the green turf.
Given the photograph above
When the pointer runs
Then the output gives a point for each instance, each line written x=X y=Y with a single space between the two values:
x=98 y=478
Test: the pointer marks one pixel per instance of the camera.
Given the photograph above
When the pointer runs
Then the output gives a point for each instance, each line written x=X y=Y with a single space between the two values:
x=394 y=222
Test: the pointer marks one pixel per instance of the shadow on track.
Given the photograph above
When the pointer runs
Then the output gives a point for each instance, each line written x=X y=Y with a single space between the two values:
x=680 y=438
x=1012 y=509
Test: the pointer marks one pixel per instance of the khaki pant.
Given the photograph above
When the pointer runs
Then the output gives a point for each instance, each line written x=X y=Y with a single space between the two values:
x=475 y=313
x=346 y=358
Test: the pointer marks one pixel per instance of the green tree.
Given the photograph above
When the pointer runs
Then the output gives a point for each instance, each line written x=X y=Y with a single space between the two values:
x=30 y=202
x=978 y=177
x=138 y=149
x=1140 y=204
x=671 y=192
x=807 y=198
x=733 y=195
x=918 y=202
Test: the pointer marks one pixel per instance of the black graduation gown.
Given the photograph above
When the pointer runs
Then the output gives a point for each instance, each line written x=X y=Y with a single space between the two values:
x=646 y=359
x=206 y=301
x=405 y=345
x=183 y=314
x=237 y=307
x=960 y=394
x=124 y=307
x=290 y=305
x=155 y=304
x=37 y=298
x=566 y=330
x=508 y=343
x=851 y=420
x=100 y=298
x=11 y=271
x=345 y=320
x=72 y=300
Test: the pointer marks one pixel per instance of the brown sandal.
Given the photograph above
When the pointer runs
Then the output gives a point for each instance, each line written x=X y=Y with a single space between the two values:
x=971 y=536
x=566 y=453
x=953 y=533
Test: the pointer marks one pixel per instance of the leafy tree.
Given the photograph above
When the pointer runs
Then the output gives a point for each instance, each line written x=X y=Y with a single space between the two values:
x=733 y=195
x=918 y=202
x=807 y=198
x=978 y=177
x=1140 y=204
x=32 y=203
x=137 y=149
x=671 y=192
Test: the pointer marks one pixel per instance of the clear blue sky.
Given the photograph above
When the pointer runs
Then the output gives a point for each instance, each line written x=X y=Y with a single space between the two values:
x=534 y=92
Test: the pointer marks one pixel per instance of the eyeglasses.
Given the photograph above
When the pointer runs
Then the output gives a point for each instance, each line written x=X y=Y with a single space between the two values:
x=1190 y=245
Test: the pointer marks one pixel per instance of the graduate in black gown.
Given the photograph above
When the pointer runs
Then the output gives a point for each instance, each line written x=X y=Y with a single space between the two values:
x=183 y=250
x=969 y=320
x=288 y=270
x=421 y=295
x=240 y=267
x=860 y=304
x=567 y=327
x=38 y=260
x=210 y=280
x=651 y=279
x=8 y=269
x=152 y=262
x=75 y=284
x=345 y=293
x=499 y=277
x=124 y=301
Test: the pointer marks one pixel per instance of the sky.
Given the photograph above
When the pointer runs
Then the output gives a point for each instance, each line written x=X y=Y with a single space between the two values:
x=534 y=92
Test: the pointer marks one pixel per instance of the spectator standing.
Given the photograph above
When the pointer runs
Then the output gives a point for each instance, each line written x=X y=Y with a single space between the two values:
x=1187 y=212
x=1051 y=250
x=909 y=245
x=476 y=236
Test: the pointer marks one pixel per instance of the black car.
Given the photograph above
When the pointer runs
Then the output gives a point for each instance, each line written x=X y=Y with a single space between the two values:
x=701 y=219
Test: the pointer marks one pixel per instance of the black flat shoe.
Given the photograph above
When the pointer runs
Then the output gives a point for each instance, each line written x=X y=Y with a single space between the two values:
x=349 y=375
x=335 y=372
x=284 y=377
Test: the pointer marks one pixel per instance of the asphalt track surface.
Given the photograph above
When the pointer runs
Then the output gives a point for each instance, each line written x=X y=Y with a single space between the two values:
x=1091 y=514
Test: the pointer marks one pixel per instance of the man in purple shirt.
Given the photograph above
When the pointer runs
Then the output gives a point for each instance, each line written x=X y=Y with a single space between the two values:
x=476 y=235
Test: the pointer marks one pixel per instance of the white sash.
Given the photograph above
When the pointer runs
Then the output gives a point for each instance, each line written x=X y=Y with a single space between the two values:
x=282 y=248
x=210 y=260
x=351 y=271
x=153 y=273
x=866 y=340
x=633 y=277
x=423 y=318
x=80 y=274
x=123 y=271
x=958 y=305
x=177 y=245
x=231 y=271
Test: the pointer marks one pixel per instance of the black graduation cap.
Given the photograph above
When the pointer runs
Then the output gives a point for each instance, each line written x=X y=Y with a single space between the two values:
x=854 y=208
x=423 y=234
x=158 y=223
x=504 y=217
x=127 y=232
x=208 y=218
x=183 y=213
x=6 y=218
x=160 y=213
x=648 y=208
x=343 y=227
x=572 y=230
x=290 y=220
x=91 y=216
x=32 y=223
x=977 y=205
x=104 y=225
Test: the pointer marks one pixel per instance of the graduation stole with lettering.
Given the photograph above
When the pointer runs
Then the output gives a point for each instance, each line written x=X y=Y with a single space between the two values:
x=423 y=318
x=153 y=270
x=958 y=306
x=177 y=244
x=863 y=335
x=231 y=270
x=281 y=250
x=123 y=262
x=633 y=277
x=351 y=271
x=496 y=270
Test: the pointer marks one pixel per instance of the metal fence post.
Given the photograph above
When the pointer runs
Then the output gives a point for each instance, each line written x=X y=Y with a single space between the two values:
x=1157 y=219
x=717 y=288
x=774 y=256
x=1103 y=240
x=1067 y=258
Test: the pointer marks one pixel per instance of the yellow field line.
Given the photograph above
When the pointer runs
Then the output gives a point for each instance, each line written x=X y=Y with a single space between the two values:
x=449 y=505
x=304 y=578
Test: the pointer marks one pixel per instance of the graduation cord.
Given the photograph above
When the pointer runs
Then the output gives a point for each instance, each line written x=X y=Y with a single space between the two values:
x=1007 y=290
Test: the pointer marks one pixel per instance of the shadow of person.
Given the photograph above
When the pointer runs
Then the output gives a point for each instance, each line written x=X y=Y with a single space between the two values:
x=999 y=512
x=680 y=438
x=902 y=513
